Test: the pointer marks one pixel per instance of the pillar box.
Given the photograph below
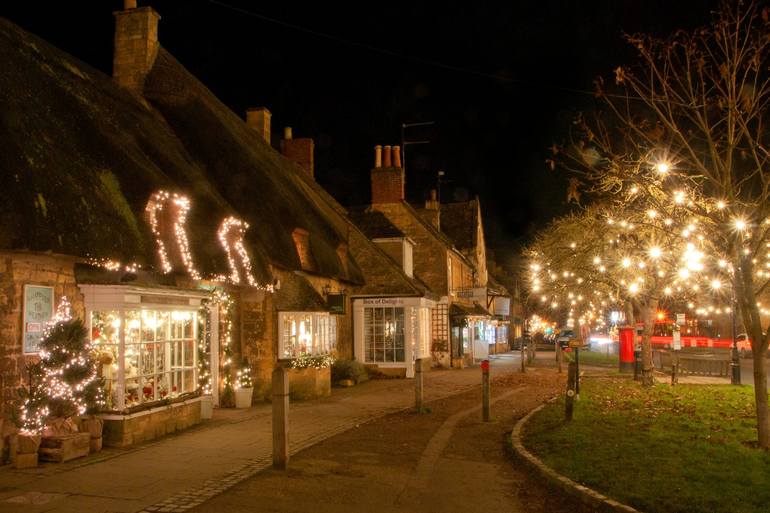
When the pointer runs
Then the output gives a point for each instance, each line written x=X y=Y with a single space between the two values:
x=626 y=349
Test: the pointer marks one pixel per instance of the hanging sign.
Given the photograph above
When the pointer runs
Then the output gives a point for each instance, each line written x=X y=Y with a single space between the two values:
x=38 y=310
x=336 y=303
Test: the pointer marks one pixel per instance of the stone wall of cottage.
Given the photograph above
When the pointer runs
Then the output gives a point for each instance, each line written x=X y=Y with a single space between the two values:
x=16 y=270
x=430 y=255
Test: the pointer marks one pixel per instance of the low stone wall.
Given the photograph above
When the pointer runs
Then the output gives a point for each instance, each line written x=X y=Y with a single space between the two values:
x=125 y=430
x=310 y=383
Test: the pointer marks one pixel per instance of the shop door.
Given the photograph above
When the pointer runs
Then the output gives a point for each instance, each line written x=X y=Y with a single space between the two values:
x=457 y=342
x=480 y=344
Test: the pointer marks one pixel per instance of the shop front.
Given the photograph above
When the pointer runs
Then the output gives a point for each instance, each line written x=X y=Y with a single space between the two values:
x=147 y=352
x=469 y=333
x=391 y=333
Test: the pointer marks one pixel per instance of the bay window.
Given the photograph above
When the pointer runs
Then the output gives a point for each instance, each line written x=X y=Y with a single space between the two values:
x=384 y=335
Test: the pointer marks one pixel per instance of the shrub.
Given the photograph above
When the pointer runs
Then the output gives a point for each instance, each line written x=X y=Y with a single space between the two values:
x=349 y=369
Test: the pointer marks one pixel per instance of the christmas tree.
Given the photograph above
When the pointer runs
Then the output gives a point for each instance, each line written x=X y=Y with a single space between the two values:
x=65 y=381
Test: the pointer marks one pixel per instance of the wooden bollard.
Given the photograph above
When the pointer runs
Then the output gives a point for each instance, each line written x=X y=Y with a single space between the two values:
x=485 y=390
x=559 y=355
x=523 y=358
x=280 y=418
x=569 y=403
x=418 y=389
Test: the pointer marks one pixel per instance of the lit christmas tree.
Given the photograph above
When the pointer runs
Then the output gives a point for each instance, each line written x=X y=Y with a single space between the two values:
x=65 y=382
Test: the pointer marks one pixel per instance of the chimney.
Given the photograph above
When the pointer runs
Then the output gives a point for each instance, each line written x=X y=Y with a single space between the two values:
x=136 y=45
x=259 y=119
x=300 y=151
x=387 y=177
x=432 y=211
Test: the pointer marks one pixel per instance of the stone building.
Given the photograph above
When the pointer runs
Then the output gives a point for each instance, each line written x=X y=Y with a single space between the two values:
x=144 y=199
x=457 y=319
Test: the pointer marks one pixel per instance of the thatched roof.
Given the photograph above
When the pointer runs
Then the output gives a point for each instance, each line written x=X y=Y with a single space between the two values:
x=80 y=157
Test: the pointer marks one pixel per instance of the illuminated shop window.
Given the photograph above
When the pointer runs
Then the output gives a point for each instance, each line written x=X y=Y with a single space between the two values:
x=384 y=335
x=307 y=333
x=145 y=355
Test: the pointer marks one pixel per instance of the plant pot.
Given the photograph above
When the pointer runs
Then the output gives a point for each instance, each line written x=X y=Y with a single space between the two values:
x=207 y=407
x=243 y=397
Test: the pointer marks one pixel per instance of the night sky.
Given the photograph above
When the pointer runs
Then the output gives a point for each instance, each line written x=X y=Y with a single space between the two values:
x=501 y=82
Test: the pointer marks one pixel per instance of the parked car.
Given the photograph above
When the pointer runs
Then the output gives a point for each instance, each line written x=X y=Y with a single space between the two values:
x=563 y=337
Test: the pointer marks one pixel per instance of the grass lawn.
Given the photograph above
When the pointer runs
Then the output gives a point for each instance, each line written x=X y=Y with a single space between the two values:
x=663 y=449
x=595 y=358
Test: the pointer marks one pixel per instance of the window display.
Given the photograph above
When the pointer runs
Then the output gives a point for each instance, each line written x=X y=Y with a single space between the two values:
x=307 y=333
x=384 y=335
x=145 y=355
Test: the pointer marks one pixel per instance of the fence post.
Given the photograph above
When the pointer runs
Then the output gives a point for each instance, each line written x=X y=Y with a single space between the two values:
x=569 y=403
x=485 y=390
x=280 y=418
x=418 y=393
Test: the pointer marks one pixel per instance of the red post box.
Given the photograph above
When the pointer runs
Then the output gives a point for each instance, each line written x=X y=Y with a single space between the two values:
x=626 y=350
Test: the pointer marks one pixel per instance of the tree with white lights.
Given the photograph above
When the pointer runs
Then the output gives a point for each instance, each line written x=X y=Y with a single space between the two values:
x=625 y=253
x=66 y=381
x=686 y=127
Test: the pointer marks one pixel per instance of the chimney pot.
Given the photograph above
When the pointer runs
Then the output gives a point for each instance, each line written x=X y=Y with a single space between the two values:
x=378 y=156
x=386 y=157
x=433 y=194
x=129 y=4
x=287 y=133
x=259 y=120
x=396 y=156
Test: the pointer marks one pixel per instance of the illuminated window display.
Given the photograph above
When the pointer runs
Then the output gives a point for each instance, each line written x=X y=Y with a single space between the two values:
x=305 y=332
x=158 y=353
x=146 y=343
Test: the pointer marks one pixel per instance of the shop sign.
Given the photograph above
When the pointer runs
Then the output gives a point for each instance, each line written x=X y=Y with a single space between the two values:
x=384 y=301
x=38 y=310
x=336 y=303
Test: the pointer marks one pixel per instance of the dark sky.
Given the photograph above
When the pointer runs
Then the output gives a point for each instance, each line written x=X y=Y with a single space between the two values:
x=495 y=79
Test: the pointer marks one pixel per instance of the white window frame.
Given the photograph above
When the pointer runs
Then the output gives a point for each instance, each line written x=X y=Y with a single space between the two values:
x=323 y=327
x=122 y=299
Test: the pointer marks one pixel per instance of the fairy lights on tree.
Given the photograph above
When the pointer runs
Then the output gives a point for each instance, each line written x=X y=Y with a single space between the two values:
x=65 y=382
x=685 y=127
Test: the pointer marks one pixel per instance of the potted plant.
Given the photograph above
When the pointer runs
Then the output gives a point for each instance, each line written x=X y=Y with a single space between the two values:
x=244 y=390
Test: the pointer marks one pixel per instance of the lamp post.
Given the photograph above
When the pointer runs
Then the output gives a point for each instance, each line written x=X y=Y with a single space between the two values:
x=735 y=377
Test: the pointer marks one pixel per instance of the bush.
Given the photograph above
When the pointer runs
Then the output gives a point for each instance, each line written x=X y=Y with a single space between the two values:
x=349 y=369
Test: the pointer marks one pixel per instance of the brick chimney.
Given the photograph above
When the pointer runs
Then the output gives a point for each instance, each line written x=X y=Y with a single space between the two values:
x=136 y=45
x=432 y=211
x=387 y=176
x=300 y=151
x=259 y=119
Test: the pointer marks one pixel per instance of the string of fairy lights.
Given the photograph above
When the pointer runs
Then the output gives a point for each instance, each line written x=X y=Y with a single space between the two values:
x=652 y=244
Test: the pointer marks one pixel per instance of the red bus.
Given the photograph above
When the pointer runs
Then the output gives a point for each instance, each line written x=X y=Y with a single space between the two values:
x=695 y=334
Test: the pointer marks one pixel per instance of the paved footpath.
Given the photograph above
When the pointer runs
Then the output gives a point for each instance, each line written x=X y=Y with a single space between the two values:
x=181 y=471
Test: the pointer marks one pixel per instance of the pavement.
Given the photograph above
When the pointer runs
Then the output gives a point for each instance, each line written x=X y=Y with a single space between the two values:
x=186 y=469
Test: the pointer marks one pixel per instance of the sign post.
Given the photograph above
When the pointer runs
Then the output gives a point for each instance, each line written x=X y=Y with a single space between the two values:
x=418 y=394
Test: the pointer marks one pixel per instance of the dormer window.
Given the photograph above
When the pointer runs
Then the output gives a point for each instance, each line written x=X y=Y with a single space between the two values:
x=302 y=244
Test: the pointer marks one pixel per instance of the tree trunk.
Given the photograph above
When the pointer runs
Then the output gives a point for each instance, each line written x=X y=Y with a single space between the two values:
x=747 y=301
x=648 y=310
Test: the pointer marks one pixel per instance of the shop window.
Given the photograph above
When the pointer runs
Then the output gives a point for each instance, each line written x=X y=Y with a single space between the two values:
x=384 y=335
x=157 y=350
x=307 y=333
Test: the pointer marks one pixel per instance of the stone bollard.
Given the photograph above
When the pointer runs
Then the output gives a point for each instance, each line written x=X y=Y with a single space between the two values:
x=485 y=390
x=280 y=418
x=418 y=388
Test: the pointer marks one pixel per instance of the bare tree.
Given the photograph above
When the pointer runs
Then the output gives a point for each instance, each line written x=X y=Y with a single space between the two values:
x=687 y=125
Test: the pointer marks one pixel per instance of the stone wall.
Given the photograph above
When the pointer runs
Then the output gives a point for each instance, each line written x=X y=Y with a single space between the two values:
x=144 y=426
x=430 y=254
x=16 y=270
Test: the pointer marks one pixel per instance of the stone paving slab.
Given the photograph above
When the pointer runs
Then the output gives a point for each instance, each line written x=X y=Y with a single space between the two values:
x=182 y=470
